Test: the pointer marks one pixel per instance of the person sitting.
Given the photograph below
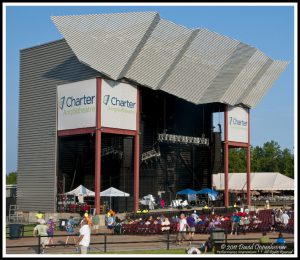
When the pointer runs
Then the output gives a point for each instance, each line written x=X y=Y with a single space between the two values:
x=264 y=239
x=280 y=239
x=165 y=224
x=226 y=218
x=200 y=222
x=211 y=225
x=149 y=221
x=157 y=221
x=193 y=251
x=218 y=221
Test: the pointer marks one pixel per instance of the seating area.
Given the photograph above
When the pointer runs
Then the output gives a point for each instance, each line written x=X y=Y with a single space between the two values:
x=258 y=222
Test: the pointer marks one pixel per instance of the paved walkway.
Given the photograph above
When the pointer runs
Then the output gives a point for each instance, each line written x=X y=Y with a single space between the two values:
x=122 y=242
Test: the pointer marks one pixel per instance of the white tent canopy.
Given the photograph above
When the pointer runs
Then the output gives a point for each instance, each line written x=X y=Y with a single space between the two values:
x=271 y=181
x=113 y=192
x=81 y=190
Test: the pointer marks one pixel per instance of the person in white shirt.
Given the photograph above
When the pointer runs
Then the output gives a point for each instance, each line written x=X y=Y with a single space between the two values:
x=195 y=216
x=181 y=229
x=285 y=218
x=85 y=237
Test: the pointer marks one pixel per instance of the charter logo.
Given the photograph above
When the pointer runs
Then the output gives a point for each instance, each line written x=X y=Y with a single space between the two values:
x=237 y=123
x=62 y=102
x=106 y=99
x=118 y=105
x=75 y=105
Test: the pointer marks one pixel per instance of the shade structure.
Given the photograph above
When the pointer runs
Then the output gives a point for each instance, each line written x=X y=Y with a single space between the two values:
x=186 y=192
x=212 y=194
x=197 y=65
x=113 y=192
x=208 y=191
x=259 y=181
x=81 y=190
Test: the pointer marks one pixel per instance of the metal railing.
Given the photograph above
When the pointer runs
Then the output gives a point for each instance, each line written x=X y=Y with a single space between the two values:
x=167 y=240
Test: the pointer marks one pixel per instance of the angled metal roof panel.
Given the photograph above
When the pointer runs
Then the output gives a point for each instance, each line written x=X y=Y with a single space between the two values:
x=158 y=53
x=228 y=73
x=106 y=42
x=245 y=78
x=265 y=82
x=199 y=66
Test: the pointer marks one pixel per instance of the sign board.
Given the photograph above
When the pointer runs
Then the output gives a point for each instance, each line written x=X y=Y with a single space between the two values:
x=237 y=124
x=76 y=105
x=119 y=105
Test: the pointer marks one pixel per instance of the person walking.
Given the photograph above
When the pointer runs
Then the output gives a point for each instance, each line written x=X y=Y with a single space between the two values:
x=95 y=221
x=70 y=230
x=110 y=222
x=41 y=230
x=209 y=245
x=235 y=220
x=50 y=231
x=182 y=229
x=39 y=216
x=191 y=227
x=84 y=237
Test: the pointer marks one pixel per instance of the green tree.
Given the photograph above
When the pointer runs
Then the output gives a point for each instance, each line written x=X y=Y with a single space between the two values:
x=286 y=163
x=237 y=160
x=268 y=158
x=11 y=178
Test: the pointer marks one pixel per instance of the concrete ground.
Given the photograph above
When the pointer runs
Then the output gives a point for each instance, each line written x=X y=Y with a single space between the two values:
x=116 y=242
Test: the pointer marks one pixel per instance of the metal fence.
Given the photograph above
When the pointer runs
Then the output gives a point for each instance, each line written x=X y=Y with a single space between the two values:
x=166 y=239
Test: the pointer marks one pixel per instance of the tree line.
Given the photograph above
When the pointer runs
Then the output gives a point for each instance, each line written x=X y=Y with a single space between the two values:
x=268 y=158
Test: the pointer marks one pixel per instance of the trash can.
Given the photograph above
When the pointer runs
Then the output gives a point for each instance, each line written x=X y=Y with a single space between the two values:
x=218 y=235
x=16 y=231
x=62 y=224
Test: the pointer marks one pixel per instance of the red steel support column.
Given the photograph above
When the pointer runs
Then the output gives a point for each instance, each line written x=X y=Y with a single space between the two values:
x=248 y=163
x=137 y=155
x=98 y=146
x=226 y=156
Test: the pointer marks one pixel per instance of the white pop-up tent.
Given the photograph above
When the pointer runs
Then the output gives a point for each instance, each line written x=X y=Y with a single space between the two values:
x=261 y=181
x=113 y=192
x=81 y=190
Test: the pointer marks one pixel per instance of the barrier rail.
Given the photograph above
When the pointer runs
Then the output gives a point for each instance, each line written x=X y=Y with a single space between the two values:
x=168 y=240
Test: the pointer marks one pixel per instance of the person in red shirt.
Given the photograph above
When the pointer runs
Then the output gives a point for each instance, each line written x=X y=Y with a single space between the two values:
x=162 y=203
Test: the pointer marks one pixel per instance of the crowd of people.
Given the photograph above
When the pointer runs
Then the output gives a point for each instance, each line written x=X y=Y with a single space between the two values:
x=81 y=243
x=185 y=225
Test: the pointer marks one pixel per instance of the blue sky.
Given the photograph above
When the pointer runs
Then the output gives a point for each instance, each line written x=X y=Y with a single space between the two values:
x=268 y=28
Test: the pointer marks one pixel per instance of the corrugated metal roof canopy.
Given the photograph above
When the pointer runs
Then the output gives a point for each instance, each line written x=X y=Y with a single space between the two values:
x=198 y=65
